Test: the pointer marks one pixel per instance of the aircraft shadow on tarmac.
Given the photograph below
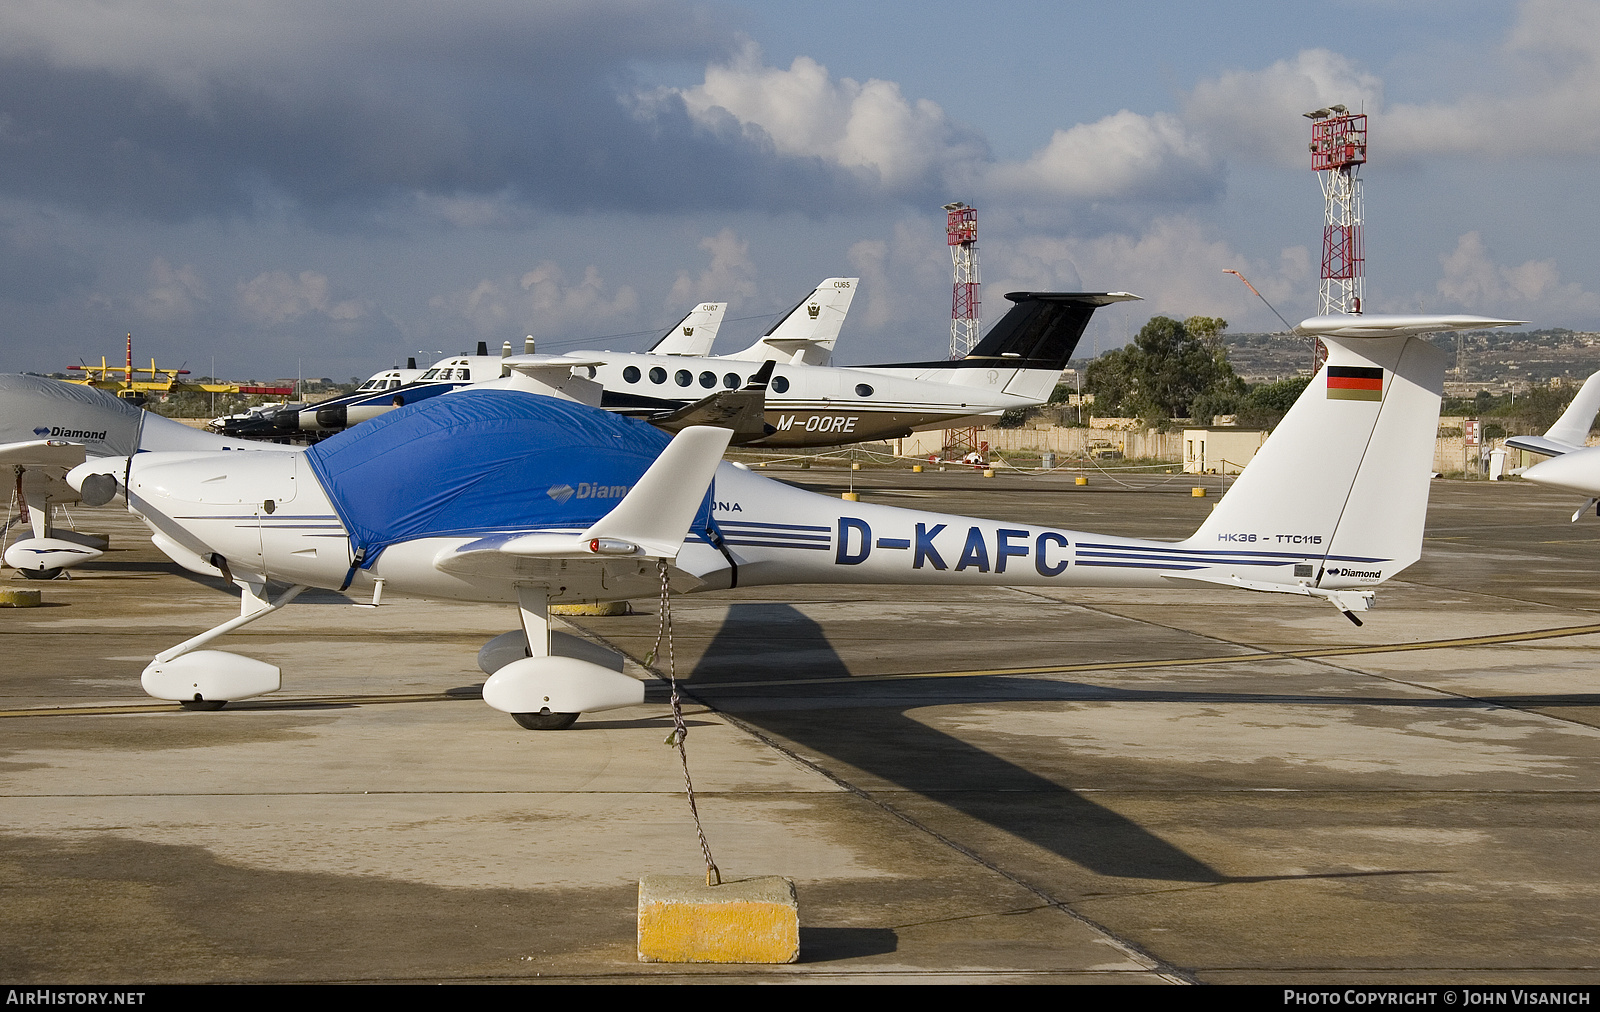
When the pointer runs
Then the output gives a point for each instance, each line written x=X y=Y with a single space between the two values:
x=875 y=734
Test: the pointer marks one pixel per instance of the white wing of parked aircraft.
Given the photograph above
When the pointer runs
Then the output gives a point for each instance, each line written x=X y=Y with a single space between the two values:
x=505 y=496
x=47 y=427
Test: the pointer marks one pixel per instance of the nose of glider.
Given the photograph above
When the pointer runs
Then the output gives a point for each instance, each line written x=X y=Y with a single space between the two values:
x=1578 y=471
x=98 y=480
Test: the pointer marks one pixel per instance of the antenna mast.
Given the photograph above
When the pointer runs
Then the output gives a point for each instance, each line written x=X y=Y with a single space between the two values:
x=965 y=320
x=1338 y=150
x=962 y=236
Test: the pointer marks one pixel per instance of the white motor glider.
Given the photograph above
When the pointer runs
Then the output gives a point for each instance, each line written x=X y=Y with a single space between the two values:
x=506 y=496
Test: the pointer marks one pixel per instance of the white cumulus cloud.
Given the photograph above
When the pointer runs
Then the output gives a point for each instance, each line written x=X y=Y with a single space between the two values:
x=1541 y=99
x=729 y=277
x=1474 y=281
x=543 y=302
x=275 y=297
x=1176 y=263
x=1125 y=155
x=869 y=127
x=175 y=293
x=1252 y=114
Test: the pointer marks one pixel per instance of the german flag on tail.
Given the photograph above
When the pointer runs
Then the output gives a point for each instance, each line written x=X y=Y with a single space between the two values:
x=1355 y=383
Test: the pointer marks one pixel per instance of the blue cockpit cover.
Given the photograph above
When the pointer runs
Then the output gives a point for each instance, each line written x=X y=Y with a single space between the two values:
x=482 y=462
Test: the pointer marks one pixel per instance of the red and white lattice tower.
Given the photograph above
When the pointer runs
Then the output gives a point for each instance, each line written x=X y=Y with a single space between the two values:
x=1338 y=150
x=965 y=319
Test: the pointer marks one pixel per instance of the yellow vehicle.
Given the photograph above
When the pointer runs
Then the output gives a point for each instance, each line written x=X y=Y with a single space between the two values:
x=126 y=382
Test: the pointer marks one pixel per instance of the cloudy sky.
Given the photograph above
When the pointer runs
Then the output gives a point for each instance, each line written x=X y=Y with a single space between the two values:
x=329 y=187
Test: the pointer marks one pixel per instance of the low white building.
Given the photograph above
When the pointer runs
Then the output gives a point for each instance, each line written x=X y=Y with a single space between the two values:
x=1224 y=450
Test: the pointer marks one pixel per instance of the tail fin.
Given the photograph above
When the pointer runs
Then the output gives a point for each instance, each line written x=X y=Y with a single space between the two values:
x=693 y=334
x=806 y=334
x=1571 y=430
x=1341 y=486
x=1025 y=352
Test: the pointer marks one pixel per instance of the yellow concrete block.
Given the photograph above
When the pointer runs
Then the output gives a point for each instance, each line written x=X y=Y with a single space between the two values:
x=683 y=920
x=916 y=468
x=1198 y=492
x=1081 y=480
x=602 y=609
x=850 y=496
x=21 y=598
x=988 y=473
x=856 y=466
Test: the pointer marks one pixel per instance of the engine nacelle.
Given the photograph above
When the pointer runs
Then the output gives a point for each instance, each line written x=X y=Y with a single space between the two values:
x=559 y=685
x=47 y=555
x=210 y=675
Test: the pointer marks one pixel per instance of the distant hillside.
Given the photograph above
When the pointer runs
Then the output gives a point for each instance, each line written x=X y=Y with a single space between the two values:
x=1494 y=358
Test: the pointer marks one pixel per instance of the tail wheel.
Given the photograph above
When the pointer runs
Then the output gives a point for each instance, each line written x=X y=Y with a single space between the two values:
x=40 y=574
x=544 y=720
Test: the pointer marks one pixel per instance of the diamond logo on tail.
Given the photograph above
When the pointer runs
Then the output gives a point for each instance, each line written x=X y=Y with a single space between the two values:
x=560 y=493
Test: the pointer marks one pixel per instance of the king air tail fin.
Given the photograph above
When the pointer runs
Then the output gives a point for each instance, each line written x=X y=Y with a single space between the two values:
x=806 y=334
x=694 y=334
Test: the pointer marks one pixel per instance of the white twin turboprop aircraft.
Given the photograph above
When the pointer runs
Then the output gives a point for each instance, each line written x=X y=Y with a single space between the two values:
x=500 y=495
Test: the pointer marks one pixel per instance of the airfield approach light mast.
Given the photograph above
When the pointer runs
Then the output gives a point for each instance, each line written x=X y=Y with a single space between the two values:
x=961 y=233
x=965 y=319
x=1338 y=150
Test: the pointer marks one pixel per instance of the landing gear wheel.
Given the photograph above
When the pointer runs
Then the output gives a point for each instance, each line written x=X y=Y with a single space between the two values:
x=40 y=574
x=544 y=720
x=202 y=704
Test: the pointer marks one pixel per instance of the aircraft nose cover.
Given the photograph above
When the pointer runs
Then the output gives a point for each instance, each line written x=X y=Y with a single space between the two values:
x=482 y=462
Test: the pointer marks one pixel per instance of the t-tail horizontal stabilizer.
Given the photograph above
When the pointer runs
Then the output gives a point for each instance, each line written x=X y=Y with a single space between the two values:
x=1334 y=502
x=1395 y=325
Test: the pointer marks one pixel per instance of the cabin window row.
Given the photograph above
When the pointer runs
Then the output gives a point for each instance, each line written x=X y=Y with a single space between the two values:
x=708 y=379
